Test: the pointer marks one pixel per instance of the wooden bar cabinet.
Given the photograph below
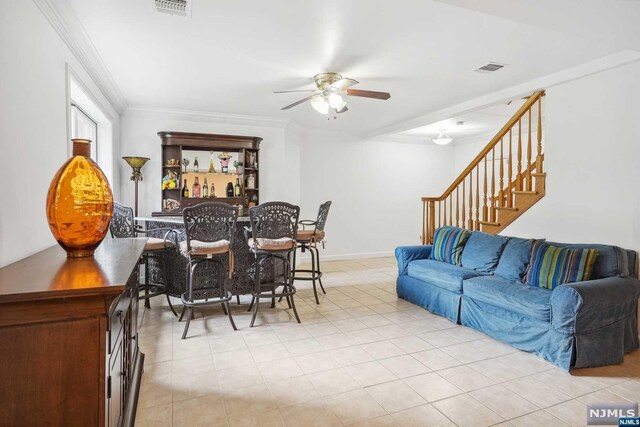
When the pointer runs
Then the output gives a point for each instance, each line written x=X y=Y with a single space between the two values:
x=69 y=335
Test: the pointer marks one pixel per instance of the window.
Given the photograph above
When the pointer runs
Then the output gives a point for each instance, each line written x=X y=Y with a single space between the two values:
x=84 y=127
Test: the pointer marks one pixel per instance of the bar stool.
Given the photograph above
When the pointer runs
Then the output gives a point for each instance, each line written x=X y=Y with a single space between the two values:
x=272 y=237
x=209 y=228
x=123 y=226
x=308 y=239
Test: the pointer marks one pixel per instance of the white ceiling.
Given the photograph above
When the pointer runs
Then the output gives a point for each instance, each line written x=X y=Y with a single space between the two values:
x=230 y=56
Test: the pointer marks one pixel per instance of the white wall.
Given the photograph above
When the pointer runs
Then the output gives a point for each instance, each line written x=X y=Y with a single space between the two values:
x=279 y=168
x=33 y=124
x=375 y=187
x=591 y=158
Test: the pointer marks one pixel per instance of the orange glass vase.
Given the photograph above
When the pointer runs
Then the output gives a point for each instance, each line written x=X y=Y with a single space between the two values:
x=79 y=203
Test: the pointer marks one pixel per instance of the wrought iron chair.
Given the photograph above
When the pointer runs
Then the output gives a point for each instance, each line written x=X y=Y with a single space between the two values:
x=123 y=226
x=209 y=229
x=272 y=237
x=308 y=239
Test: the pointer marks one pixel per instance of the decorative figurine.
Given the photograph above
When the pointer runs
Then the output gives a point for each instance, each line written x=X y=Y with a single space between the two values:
x=224 y=161
x=239 y=167
x=170 y=180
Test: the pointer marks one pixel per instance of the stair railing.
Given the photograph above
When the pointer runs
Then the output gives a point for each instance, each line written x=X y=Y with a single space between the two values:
x=489 y=181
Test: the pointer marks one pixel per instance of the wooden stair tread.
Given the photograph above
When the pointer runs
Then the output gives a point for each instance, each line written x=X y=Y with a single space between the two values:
x=525 y=192
x=495 y=224
x=507 y=208
x=538 y=175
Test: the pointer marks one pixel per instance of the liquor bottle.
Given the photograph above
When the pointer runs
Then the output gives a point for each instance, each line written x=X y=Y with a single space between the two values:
x=195 y=191
x=205 y=188
x=229 y=189
x=238 y=188
x=212 y=193
x=185 y=189
x=195 y=165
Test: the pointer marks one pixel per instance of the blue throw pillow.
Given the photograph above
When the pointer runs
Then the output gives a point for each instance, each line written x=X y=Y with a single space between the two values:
x=482 y=251
x=448 y=243
x=551 y=266
x=515 y=259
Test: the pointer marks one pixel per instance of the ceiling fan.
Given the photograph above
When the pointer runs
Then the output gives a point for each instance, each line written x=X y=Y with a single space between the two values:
x=331 y=87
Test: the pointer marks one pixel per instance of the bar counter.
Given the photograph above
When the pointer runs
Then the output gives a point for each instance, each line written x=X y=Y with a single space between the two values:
x=176 y=262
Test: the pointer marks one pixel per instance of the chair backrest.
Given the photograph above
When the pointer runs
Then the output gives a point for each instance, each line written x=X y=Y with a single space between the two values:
x=210 y=222
x=122 y=224
x=323 y=212
x=274 y=220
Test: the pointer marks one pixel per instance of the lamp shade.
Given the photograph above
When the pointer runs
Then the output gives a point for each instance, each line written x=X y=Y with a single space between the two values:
x=136 y=162
x=320 y=104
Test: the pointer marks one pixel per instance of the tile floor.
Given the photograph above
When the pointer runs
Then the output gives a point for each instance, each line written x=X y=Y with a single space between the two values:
x=362 y=357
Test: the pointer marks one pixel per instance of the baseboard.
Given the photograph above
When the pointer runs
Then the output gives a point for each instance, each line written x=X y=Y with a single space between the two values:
x=345 y=257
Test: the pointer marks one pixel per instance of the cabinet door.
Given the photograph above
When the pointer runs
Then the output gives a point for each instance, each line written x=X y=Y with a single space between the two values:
x=115 y=384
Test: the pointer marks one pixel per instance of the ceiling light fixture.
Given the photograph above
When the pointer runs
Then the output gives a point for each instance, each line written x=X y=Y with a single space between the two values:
x=442 y=138
x=320 y=104
x=335 y=100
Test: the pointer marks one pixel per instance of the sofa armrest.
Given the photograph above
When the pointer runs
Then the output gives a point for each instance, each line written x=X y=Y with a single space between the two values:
x=583 y=307
x=406 y=254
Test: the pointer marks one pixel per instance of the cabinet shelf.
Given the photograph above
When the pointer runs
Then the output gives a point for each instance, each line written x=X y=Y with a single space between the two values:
x=172 y=166
x=211 y=173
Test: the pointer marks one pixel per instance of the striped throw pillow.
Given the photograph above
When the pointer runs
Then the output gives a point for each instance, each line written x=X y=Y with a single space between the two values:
x=551 y=266
x=448 y=243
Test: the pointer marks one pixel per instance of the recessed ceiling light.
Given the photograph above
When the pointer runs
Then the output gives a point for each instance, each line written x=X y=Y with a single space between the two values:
x=442 y=138
x=490 y=67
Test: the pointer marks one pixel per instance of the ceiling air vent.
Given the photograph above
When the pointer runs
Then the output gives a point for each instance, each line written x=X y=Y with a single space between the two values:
x=490 y=67
x=174 y=7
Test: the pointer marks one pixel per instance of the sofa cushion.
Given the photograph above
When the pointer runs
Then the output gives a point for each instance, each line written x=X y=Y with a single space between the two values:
x=482 y=251
x=515 y=259
x=440 y=274
x=551 y=265
x=448 y=243
x=529 y=301
x=611 y=260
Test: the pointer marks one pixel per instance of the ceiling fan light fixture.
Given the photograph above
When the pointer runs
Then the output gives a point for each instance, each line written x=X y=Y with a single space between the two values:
x=320 y=104
x=335 y=101
x=442 y=138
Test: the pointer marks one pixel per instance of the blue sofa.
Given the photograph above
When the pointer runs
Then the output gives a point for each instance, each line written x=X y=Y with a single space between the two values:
x=575 y=325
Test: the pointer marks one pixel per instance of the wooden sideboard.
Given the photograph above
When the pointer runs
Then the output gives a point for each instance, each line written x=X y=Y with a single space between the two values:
x=68 y=329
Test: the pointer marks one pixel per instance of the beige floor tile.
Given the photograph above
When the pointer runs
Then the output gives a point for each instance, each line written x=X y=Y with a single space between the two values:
x=371 y=373
x=465 y=411
x=200 y=411
x=334 y=381
x=404 y=366
x=239 y=377
x=364 y=336
x=347 y=325
x=194 y=385
x=256 y=337
x=271 y=418
x=567 y=383
x=536 y=392
x=300 y=347
x=411 y=344
x=279 y=369
x=292 y=333
x=312 y=414
x=293 y=390
x=193 y=365
x=538 y=419
x=265 y=353
x=375 y=320
x=432 y=387
x=424 y=415
x=250 y=400
x=629 y=390
x=320 y=329
x=154 y=394
x=316 y=362
x=354 y=406
x=232 y=359
x=382 y=350
x=384 y=421
x=395 y=396
x=497 y=370
x=503 y=401
x=572 y=412
x=436 y=359
x=333 y=341
x=466 y=378
x=155 y=416
x=348 y=356
x=391 y=331
x=229 y=343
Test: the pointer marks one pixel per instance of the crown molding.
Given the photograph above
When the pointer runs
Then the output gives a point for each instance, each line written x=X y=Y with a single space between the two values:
x=592 y=67
x=224 y=118
x=66 y=24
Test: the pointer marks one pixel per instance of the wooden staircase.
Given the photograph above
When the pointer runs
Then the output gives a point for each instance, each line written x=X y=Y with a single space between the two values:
x=496 y=188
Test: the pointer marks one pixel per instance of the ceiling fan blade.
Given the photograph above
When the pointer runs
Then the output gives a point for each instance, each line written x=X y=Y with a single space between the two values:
x=298 y=102
x=292 y=91
x=343 y=84
x=368 y=94
x=343 y=110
